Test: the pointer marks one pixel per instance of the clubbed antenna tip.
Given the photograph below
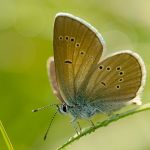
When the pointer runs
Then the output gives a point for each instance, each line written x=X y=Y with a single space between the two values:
x=35 y=110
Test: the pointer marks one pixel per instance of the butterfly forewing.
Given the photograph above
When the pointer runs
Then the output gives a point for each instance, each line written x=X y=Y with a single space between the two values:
x=77 y=49
x=117 y=78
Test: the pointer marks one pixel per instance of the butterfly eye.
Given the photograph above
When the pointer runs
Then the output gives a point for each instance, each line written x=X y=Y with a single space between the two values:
x=118 y=68
x=118 y=86
x=72 y=39
x=77 y=44
x=108 y=68
x=121 y=73
x=63 y=108
x=100 y=67
x=60 y=37
x=66 y=38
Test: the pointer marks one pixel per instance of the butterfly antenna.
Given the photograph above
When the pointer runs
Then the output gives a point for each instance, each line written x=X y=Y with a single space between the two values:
x=38 y=109
x=50 y=125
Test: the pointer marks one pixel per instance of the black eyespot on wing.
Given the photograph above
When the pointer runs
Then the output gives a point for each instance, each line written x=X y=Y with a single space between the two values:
x=100 y=67
x=108 y=68
x=118 y=86
x=68 y=62
x=121 y=73
x=82 y=52
x=118 y=68
x=121 y=79
x=103 y=83
x=77 y=44
x=72 y=39
x=67 y=38
x=60 y=37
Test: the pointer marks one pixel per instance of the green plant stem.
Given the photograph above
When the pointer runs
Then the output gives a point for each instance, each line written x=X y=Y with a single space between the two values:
x=105 y=123
x=5 y=136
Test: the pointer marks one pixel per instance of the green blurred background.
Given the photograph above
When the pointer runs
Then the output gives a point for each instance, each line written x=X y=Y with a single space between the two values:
x=26 y=28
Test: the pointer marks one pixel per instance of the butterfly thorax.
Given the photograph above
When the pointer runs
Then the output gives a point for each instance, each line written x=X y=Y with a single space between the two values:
x=78 y=110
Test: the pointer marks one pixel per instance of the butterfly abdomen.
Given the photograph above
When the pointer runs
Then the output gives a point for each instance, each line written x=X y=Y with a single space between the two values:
x=82 y=111
x=107 y=108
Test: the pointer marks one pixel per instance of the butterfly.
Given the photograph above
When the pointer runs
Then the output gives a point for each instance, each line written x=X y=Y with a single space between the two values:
x=85 y=83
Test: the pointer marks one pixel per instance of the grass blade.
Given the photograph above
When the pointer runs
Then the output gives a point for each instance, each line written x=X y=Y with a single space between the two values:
x=5 y=136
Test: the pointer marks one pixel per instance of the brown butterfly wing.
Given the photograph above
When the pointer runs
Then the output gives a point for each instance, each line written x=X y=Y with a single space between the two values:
x=77 y=49
x=118 y=78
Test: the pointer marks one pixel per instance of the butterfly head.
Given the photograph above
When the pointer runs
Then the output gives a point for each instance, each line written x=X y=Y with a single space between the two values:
x=63 y=108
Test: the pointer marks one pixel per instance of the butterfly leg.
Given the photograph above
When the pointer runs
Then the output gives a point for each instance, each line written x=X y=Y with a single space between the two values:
x=91 y=122
x=80 y=130
x=75 y=128
x=75 y=123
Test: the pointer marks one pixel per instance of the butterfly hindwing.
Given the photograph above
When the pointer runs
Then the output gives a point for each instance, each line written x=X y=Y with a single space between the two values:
x=52 y=78
x=116 y=79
